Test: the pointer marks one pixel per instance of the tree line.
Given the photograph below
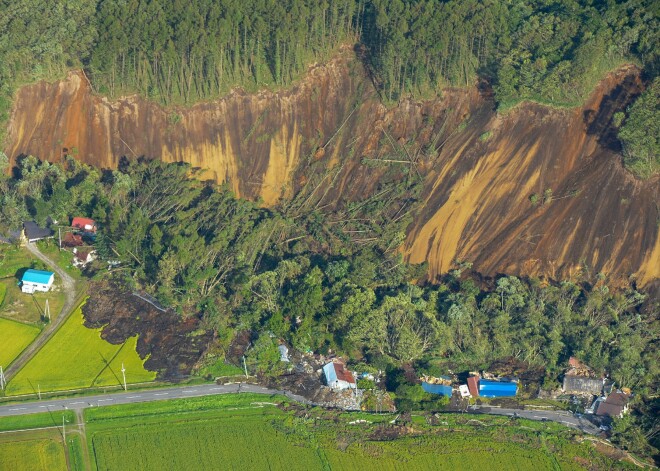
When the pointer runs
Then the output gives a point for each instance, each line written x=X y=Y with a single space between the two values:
x=185 y=51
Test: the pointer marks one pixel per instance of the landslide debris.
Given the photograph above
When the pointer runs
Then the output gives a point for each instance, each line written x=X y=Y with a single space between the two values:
x=171 y=344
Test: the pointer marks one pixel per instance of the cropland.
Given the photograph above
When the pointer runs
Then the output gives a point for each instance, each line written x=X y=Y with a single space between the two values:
x=249 y=431
x=77 y=357
x=16 y=337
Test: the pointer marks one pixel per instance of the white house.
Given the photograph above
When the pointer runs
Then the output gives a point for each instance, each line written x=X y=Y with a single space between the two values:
x=37 y=280
x=338 y=377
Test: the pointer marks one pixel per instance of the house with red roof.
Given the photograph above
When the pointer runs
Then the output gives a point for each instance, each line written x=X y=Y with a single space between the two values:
x=84 y=224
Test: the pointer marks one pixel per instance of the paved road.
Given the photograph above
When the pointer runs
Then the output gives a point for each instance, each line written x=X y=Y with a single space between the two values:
x=563 y=417
x=69 y=286
x=132 y=397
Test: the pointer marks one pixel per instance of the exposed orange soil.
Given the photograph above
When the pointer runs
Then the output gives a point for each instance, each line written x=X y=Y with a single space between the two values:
x=476 y=204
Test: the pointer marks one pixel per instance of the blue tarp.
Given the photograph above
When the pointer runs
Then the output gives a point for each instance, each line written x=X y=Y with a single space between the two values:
x=37 y=276
x=497 y=388
x=437 y=389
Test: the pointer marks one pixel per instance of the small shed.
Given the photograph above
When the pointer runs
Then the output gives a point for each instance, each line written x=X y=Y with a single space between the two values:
x=37 y=280
x=489 y=388
x=441 y=389
x=338 y=377
x=34 y=232
x=84 y=224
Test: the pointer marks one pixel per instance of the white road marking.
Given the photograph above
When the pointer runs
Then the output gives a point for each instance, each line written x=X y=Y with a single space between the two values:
x=161 y=394
x=215 y=389
x=19 y=408
x=74 y=403
x=189 y=391
x=104 y=400
x=133 y=397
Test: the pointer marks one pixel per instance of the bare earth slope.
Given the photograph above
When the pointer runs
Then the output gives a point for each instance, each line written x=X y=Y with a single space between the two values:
x=479 y=168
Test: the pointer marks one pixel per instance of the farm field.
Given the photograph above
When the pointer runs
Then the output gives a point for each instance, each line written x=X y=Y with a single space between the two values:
x=77 y=357
x=252 y=433
x=32 y=451
x=16 y=337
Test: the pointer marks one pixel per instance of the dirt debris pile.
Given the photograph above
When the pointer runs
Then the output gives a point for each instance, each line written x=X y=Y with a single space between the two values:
x=171 y=345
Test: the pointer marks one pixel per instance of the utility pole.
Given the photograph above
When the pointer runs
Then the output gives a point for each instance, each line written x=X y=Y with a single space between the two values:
x=63 y=430
x=47 y=310
x=39 y=391
x=59 y=236
x=245 y=367
x=3 y=382
x=123 y=373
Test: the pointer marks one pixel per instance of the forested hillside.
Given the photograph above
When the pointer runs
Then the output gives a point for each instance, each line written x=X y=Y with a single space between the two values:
x=184 y=51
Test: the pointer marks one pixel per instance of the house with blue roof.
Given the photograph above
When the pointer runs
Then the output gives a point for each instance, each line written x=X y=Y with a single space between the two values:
x=37 y=280
x=490 y=388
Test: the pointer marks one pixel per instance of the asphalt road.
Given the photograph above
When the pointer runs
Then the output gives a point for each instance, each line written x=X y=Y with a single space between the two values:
x=132 y=397
x=69 y=286
x=565 y=418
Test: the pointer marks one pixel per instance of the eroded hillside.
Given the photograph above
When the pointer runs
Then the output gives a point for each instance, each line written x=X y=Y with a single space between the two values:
x=538 y=191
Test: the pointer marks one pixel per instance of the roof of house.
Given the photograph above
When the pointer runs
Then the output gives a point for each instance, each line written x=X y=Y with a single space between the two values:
x=473 y=385
x=337 y=372
x=37 y=276
x=72 y=240
x=489 y=388
x=441 y=389
x=80 y=222
x=617 y=398
x=82 y=254
x=34 y=231
x=583 y=384
x=613 y=405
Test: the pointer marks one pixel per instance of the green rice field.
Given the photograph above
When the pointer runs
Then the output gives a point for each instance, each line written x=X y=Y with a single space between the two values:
x=15 y=337
x=246 y=432
x=31 y=454
x=77 y=357
x=259 y=432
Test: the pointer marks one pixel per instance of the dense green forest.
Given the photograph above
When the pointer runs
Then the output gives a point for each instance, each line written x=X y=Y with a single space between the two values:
x=302 y=276
x=639 y=132
x=184 y=51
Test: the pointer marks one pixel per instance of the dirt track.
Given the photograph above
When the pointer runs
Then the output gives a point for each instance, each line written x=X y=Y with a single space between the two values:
x=69 y=287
